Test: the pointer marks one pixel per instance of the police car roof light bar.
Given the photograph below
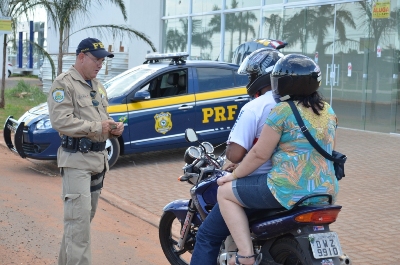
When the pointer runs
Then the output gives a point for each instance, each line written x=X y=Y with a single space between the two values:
x=176 y=58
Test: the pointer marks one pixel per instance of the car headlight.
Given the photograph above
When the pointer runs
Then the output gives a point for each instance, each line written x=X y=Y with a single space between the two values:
x=43 y=124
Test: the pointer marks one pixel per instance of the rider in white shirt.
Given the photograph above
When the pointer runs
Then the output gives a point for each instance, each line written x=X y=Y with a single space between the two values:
x=258 y=66
x=252 y=117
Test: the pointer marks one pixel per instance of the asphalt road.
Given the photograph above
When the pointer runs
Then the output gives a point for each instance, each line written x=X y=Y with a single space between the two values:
x=31 y=221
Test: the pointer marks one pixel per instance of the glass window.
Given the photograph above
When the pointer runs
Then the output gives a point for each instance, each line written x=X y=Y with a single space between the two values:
x=270 y=2
x=210 y=79
x=272 y=24
x=378 y=94
x=244 y=3
x=167 y=85
x=206 y=37
x=295 y=29
x=176 y=37
x=122 y=84
x=176 y=7
x=201 y=6
x=241 y=80
x=239 y=27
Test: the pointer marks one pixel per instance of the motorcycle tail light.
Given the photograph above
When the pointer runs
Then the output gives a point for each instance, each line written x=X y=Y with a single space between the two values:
x=319 y=217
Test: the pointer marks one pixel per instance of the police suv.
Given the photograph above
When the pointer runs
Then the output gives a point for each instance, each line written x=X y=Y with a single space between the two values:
x=156 y=101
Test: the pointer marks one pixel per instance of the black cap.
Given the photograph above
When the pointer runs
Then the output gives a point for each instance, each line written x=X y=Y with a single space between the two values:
x=94 y=46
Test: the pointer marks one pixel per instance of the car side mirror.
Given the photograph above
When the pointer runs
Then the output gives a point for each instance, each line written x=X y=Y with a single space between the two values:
x=140 y=95
x=191 y=135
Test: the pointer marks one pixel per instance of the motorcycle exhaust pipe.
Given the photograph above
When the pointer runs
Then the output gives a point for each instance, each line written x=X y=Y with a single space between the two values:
x=345 y=260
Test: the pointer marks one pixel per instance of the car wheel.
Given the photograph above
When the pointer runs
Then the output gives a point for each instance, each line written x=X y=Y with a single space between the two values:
x=112 y=147
x=9 y=73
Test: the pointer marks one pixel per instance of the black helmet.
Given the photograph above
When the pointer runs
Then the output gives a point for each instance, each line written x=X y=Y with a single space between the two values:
x=258 y=65
x=295 y=75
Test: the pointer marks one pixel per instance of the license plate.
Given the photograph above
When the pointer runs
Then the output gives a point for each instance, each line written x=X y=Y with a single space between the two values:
x=325 y=245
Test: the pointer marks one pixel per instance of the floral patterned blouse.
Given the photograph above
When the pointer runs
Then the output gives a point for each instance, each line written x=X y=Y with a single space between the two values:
x=297 y=168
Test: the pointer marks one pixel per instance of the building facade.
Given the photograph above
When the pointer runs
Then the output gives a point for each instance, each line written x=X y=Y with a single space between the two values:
x=355 y=43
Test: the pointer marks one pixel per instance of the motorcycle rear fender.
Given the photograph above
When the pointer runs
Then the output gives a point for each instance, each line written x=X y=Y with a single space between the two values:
x=180 y=208
x=280 y=223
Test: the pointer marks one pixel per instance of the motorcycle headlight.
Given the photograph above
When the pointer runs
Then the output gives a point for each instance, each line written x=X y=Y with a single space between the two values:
x=43 y=124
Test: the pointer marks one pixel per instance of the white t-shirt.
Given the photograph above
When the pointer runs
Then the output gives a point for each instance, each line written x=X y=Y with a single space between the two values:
x=249 y=124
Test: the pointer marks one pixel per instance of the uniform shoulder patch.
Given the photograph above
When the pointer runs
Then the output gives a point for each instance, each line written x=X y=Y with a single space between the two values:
x=58 y=94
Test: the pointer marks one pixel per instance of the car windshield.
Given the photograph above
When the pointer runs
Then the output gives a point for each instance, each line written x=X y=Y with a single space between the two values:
x=124 y=82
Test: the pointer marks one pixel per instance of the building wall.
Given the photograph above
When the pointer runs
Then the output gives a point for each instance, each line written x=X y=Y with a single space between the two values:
x=99 y=15
x=145 y=17
x=358 y=52
x=367 y=98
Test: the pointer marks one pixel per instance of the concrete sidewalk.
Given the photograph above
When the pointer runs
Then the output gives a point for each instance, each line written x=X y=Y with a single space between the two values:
x=12 y=81
x=368 y=225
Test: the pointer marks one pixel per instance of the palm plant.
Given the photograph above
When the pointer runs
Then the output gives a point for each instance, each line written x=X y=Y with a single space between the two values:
x=241 y=21
x=65 y=13
x=177 y=40
x=315 y=22
x=274 y=23
x=246 y=21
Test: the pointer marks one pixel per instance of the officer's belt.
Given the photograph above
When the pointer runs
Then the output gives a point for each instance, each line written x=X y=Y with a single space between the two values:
x=84 y=145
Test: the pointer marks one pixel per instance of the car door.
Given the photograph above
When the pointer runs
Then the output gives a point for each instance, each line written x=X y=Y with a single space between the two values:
x=220 y=94
x=159 y=122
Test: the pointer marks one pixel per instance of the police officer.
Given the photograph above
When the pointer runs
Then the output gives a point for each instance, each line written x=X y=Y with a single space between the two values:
x=78 y=111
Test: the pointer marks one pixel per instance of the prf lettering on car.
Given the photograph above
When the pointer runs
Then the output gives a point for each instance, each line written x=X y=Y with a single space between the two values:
x=219 y=113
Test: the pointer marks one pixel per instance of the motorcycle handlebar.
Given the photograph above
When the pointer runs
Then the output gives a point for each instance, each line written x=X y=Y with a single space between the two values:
x=198 y=164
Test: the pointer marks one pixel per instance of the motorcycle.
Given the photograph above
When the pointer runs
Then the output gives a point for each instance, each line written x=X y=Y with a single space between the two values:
x=300 y=235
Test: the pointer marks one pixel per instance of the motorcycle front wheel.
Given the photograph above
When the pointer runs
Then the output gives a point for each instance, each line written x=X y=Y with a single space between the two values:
x=169 y=233
x=287 y=251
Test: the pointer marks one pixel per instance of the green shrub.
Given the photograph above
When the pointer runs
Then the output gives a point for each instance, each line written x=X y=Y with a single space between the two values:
x=20 y=99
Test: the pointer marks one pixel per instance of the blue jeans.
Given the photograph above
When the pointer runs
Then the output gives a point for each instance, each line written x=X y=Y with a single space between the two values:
x=209 y=238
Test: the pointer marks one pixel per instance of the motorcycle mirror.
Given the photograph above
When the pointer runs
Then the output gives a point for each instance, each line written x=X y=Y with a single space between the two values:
x=191 y=135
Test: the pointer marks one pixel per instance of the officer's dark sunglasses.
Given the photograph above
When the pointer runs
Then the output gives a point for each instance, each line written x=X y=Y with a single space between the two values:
x=93 y=95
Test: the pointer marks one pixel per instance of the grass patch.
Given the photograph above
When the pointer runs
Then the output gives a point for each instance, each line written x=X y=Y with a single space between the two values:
x=24 y=75
x=20 y=99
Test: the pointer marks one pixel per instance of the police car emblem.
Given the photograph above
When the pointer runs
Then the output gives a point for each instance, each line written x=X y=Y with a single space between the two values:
x=163 y=122
x=58 y=94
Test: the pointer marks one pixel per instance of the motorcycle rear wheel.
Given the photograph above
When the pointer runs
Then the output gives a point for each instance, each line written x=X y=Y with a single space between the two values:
x=287 y=251
x=169 y=231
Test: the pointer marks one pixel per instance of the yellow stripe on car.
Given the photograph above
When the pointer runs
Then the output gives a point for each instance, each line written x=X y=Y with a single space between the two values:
x=221 y=93
x=162 y=102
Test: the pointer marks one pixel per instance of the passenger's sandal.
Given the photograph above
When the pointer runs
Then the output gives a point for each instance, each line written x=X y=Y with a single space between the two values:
x=257 y=258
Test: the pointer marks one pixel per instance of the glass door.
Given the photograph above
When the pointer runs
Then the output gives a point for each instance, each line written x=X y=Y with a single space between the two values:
x=328 y=34
x=358 y=52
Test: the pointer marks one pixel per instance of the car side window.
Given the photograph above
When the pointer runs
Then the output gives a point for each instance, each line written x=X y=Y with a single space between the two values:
x=167 y=85
x=214 y=79
x=241 y=80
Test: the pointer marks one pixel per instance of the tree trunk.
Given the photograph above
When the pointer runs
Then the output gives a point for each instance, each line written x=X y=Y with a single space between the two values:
x=60 y=52
x=3 y=74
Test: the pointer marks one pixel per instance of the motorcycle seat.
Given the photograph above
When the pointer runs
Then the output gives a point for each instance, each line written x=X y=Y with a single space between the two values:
x=263 y=213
